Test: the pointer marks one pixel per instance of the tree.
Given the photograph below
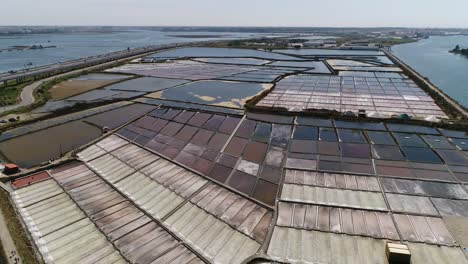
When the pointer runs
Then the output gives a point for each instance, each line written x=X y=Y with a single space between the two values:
x=457 y=48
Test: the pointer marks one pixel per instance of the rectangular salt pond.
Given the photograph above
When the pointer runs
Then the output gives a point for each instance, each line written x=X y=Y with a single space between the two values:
x=238 y=61
x=350 y=63
x=334 y=52
x=117 y=117
x=220 y=93
x=424 y=155
x=189 y=70
x=319 y=67
x=104 y=95
x=380 y=138
x=71 y=88
x=146 y=84
x=387 y=96
x=409 y=140
x=39 y=147
x=220 y=53
x=101 y=77
x=351 y=136
x=373 y=69
x=328 y=134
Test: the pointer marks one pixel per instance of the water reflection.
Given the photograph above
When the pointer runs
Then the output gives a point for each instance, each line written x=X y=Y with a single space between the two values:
x=39 y=147
x=220 y=93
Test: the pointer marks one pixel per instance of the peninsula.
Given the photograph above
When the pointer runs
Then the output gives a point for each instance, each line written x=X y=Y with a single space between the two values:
x=458 y=50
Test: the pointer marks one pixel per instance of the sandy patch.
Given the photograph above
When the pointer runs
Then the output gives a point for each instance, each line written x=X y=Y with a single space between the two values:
x=74 y=87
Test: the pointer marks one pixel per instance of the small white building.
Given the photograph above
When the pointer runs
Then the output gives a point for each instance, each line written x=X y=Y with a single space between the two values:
x=296 y=45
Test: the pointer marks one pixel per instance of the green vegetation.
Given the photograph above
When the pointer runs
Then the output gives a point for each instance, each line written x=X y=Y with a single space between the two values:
x=458 y=50
x=235 y=43
x=10 y=95
x=268 y=44
x=382 y=42
x=42 y=94
x=297 y=40
x=342 y=40
x=21 y=241
x=392 y=41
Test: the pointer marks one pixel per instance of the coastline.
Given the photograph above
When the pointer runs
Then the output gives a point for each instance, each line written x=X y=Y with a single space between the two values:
x=447 y=79
x=463 y=53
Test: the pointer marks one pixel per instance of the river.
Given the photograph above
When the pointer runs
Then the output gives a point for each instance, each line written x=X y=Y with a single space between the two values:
x=431 y=58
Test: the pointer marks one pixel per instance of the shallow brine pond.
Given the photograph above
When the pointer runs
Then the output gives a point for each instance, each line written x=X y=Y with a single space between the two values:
x=41 y=146
x=101 y=77
x=220 y=93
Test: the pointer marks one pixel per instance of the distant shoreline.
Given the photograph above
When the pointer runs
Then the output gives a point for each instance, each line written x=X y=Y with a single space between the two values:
x=198 y=36
x=32 y=47
x=460 y=51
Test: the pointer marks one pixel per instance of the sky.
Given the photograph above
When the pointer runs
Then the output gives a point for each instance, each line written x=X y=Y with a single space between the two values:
x=299 y=13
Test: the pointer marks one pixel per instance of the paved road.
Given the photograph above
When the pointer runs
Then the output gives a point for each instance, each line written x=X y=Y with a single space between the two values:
x=26 y=97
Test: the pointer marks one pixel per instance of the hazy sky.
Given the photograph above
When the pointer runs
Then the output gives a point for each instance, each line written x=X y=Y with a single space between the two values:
x=336 y=13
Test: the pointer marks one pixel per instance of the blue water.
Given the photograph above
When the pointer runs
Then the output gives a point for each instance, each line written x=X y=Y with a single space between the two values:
x=75 y=46
x=431 y=58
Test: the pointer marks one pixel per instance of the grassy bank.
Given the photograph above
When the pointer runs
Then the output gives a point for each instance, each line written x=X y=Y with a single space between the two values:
x=460 y=51
x=42 y=94
x=238 y=44
x=17 y=232
x=11 y=95
x=393 y=41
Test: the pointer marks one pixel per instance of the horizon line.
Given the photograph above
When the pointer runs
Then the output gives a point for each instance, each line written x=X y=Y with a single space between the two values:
x=205 y=26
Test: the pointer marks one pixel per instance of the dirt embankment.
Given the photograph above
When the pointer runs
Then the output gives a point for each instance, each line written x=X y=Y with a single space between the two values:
x=74 y=87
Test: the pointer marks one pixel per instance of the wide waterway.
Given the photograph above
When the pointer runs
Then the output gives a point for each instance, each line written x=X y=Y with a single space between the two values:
x=432 y=59
x=75 y=46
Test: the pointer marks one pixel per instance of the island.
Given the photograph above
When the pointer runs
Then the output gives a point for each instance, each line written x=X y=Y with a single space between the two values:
x=29 y=47
x=458 y=50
